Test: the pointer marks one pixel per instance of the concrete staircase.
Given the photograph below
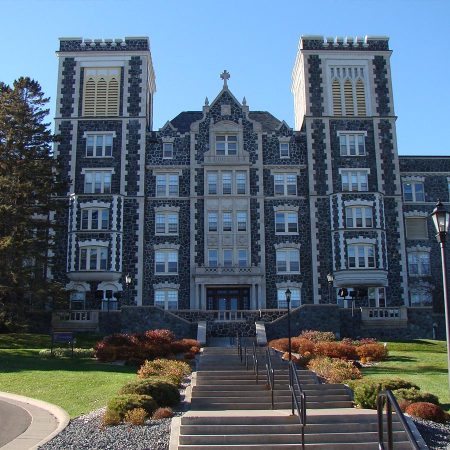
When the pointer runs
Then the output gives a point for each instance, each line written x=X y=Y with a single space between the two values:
x=229 y=410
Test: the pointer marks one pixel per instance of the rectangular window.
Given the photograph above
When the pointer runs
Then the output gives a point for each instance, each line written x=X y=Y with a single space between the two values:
x=358 y=217
x=413 y=191
x=352 y=144
x=421 y=297
x=354 y=180
x=167 y=185
x=228 y=258
x=241 y=219
x=166 y=262
x=416 y=228
x=242 y=257
x=286 y=222
x=101 y=91
x=295 y=298
x=97 y=182
x=93 y=258
x=226 y=144
x=419 y=263
x=212 y=220
x=212 y=183
x=99 y=145
x=361 y=256
x=94 y=219
x=241 y=182
x=166 y=298
x=284 y=149
x=285 y=184
x=213 y=257
x=166 y=223
x=227 y=221
x=226 y=183
x=288 y=261
x=167 y=150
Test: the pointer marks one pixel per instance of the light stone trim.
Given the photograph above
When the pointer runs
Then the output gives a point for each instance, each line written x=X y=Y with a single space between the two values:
x=378 y=210
x=413 y=178
x=380 y=171
x=93 y=243
x=415 y=213
x=114 y=214
x=123 y=159
x=380 y=252
x=418 y=248
x=342 y=250
x=289 y=284
x=166 y=285
x=286 y=207
x=348 y=203
x=76 y=94
x=140 y=251
x=167 y=208
x=361 y=240
x=90 y=133
x=73 y=157
x=94 y=204
x=285 y=245
x=329 y=165
x=166 y=246
x=113 y=252
x=107 y=285
x=97 y=169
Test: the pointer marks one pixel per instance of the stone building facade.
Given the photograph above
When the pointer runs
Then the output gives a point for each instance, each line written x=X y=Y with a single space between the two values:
x=225 y=208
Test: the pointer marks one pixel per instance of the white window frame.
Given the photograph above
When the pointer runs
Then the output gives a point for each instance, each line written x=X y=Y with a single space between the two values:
x=105 y=187
x=352 y=143
x=409 y=220
x=213 y=215
x=95 y=137
x=101 y=258
x=213 y=261
x=354 y=180
x=352 y=219
x=425 y=297
x=165 y=218
x=212 y=179
x=296 y=297
x=242 y=261
x=229 y=141
x=354 y=251
x=167 y=150
x=290 y=259
x=100 y=219
x=285 y=150
x=227 y=262
x=164 y=256
x=168 y=190
x=415 y=258
x=285 y=181
x=413 y=196
x=241 y=221
x=227 y=219
x=223 y=175
x=239 y=183
x=287 y=215
x=167 y=298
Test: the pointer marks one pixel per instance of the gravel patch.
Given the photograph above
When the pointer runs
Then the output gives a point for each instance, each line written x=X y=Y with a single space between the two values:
x=436 y=435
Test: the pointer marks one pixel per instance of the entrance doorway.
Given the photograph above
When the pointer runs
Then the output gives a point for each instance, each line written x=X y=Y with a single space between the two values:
x=228 y=299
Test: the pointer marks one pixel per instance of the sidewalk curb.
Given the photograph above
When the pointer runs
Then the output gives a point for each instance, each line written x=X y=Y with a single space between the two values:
x=61 y=416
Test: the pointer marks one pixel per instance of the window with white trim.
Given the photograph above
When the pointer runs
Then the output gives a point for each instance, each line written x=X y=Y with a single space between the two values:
x=241 y=220
x=295 y=298
x=286 y=222
x=421 y=297
x=376 y=297
x=358 y=217
x=212 y=182
x=97 y=181
x=95 y=219
x=241 y=182
x=227 y=257
x=242 y=257
x=167 y=150
x=288 y=260
x=348 y=90
x=166 y=298
x=354 y=180
x=166 y=222
x=212 y=220
x=361 y=256
x=226 y=144
x=99 y=145
x=416 y=228
x=284 y=149
x=213 y=257
x=419 y=263
x=167 y=185
x=227 y=221
x=101 y=91
x=93 y=258
x=226 y=183
x=413 y=191
x=352 y=144
x=166 y=262
x=285 y=184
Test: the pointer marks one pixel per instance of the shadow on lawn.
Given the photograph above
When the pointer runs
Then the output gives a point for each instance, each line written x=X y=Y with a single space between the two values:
x=403 y=370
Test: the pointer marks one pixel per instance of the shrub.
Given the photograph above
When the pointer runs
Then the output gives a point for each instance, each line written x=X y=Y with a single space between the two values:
x=67 y=353
x=334 y=370
x=110 y=418
x=335 y=350
x=174 y=370
x=280 y=344
x=119 y=339
x=162 y=391
x=428 y=411
x=185 y=346
x=318 y=336
x=120 y=404
x=396 y=383
x=160 y=337
x=414 y=395
x=403 y=404
x=372 y=352
x=302 y=345
x=136 y=416
x=162 y=413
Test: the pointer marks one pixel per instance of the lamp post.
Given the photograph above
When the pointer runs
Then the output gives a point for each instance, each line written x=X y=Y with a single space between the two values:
x=330 y=279
x=441 y=218
x=288 y=301
x=127 y=283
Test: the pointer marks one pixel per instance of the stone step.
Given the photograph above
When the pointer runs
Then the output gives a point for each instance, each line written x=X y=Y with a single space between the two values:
x=253 y=387
x=214 y=404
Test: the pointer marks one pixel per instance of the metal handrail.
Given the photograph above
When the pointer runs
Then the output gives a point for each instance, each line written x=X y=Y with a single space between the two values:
x=388 y=397
x=255 y=362
x=270 y=373
x=246 y=358
x=239 y=345
x=299 y=403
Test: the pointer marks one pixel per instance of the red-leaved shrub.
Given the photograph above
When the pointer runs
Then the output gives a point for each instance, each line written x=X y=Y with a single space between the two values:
x=427 y=411
x=280 y=344
x=372 y=352
x=335 y=350
x=334 y=370
x=301 y=345
x=160 y=336
x=318 y=336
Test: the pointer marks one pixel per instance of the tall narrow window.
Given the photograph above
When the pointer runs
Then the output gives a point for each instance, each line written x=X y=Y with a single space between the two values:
x=227 y=221
x=101 y=92
x=241 y=182
x=348 y=98
x=226 y=183
x=337 y=101
x=360 y=98
x=212 y=183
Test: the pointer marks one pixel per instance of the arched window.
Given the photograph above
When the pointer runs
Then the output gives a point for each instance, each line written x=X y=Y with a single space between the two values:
x=360 y=98
x=348 y=98
x=337 y=100
x=101 y=92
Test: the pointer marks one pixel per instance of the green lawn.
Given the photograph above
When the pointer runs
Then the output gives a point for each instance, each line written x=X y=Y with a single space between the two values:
x=423 y=362
x=77 y=385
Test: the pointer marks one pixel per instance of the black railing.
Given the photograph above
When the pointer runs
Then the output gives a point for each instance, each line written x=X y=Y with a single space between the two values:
x=246 y=358
x=239 y=345
x=270 y=372
x=298 y=398
x=255 y=362
x=388 y=398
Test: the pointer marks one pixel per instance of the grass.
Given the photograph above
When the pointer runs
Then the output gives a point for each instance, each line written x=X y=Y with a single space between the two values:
x=77 y=385
x=423 y=361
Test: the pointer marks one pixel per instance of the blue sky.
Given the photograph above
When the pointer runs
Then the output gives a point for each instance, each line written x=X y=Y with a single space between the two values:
x=256 y=41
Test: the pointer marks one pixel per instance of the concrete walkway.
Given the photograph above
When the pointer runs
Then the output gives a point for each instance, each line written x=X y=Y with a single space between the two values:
x=38 y=421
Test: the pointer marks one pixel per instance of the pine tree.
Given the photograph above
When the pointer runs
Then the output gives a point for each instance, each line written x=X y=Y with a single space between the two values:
x=28 y=187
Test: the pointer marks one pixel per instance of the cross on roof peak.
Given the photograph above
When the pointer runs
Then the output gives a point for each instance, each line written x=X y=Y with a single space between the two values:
x=225 y=75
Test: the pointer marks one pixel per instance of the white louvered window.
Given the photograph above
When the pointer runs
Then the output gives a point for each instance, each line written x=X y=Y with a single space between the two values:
x=348 y=91
x=416 y=228
x=101 y=91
